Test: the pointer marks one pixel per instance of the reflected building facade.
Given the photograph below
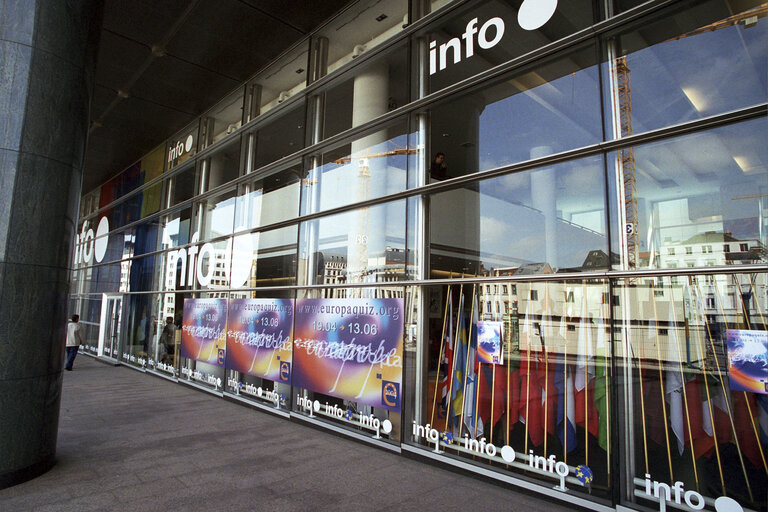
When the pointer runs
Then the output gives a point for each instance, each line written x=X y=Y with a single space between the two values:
x=583 y=278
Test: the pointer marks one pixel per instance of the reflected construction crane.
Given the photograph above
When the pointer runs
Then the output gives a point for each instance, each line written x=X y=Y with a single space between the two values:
x=626 y=156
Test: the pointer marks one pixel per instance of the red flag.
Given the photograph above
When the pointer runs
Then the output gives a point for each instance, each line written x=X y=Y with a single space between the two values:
x=703 y=443
x=743 y=403
x=530 y=398
x=593 y=423
x=493 y=388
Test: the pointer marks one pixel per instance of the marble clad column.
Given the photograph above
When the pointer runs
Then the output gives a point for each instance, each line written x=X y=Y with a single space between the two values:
x=47 y=61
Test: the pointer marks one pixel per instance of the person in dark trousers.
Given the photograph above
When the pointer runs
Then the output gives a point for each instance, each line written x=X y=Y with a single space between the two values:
x=74 y=340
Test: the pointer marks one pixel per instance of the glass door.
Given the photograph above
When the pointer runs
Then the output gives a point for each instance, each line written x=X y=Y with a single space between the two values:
x=109 y=332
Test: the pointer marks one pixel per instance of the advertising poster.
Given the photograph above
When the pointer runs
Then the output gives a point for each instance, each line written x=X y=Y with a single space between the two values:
x=259 y=337
x=748 y=360
x=489 y=338
x=204 y=330
x=350 y=349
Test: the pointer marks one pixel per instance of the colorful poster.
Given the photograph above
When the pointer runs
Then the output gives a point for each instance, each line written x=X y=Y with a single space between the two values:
x=204 y=330
x=259 y=336
x=748 y=360
x=489 y=338
x=351 y=349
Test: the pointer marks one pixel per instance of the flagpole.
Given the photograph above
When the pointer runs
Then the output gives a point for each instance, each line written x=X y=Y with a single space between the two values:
x=746 y=400
x=642 y=411
x=565 y=404
x=757 y=302
x=586 y=378
x=546 y=366
x=509 y=369
x=527 y=378
x=479 y=366
x=661 y=382
x=453 y=363
x=685 y=393
x=700 y=353
x=606 y=349
x=440 y=362
x=466 y=364
x=726 y=395
x=493 y=398
x=477 y=395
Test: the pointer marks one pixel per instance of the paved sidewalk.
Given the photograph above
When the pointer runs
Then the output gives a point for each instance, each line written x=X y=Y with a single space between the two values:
x=134 y=442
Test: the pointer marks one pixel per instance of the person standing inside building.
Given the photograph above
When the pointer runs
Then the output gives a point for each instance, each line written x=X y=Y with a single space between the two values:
x=439 y=168
x=167 y=340
x=74 y=340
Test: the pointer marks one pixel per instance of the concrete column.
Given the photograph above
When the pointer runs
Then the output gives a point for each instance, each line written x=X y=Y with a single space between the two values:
x=371 y=95
x=47 y=61
x=544 y=194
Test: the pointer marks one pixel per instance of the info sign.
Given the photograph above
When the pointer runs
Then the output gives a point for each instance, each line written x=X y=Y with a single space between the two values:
x=204 y=330
x=259 y=336
x=350 y=349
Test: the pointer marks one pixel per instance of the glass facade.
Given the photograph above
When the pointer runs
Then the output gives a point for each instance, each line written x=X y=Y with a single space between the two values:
x=527 y=240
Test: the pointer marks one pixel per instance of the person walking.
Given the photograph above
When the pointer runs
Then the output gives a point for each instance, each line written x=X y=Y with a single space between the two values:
x=74 y=340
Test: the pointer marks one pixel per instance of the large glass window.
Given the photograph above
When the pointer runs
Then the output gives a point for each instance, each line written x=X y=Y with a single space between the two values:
x=371 y=166
x=694 y=401
x=529 y=114
x=269 y=199
x=361 y=28
x=706 y=189
x=279 y=81
x=516 y=374
x=224 y=118
x=694 y=60
x=278 y=138
x=265 y=258
x=221 y=167
x=176 y=226
x=480 y=36
x=539 y=221
x=373 y=90
x=357 y=246
x=183 y=185
x=218 y=213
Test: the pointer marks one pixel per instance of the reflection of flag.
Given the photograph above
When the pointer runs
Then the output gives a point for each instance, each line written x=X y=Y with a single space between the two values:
x=493 y=388
x=584 y=362
x=459 y=362
x=566 y=411
x=470 y=400
x=674 y=383
x=601 y=404
x=530 y=397
x=762 y=404
x=447 y=358
x=698 y=414
x=744 y=411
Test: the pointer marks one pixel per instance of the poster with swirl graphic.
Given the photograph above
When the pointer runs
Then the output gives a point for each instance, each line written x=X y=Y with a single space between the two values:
x=204 y=330
x=489 y=338
x=350 y=349
x=259 y=336
x=748 y=360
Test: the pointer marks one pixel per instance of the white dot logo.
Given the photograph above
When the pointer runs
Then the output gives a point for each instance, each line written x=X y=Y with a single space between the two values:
x=533 y=14
x=188 y=143
x=100 y=246
x=242 y=256
x=726 y=504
